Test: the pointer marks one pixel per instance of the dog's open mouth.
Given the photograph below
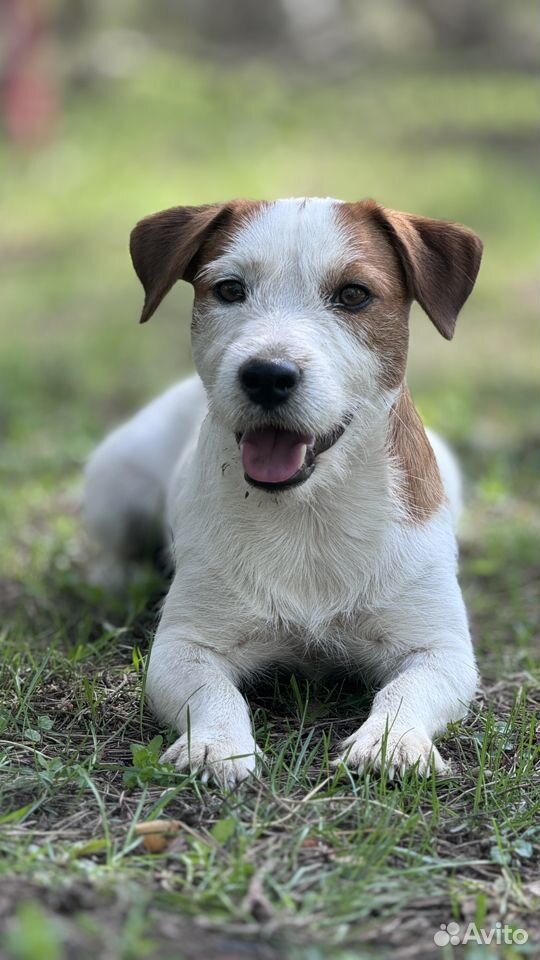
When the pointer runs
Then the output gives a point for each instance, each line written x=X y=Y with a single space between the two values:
x=275 y=459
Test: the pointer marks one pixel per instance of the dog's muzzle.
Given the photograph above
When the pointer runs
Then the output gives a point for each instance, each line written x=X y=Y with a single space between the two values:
x=269 y=383
x=275 y=459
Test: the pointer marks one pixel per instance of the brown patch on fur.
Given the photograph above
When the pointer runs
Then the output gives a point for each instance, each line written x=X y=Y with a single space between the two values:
x=383 y=325
x=215 y=245
x=410 y=258
x=219 y=239
x=422 y=487
x=173 y=244
x=440 y=261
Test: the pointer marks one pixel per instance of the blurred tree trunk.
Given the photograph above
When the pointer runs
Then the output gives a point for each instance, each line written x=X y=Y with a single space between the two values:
x=462 y=24
x=29 y=93
x=309 y=29
x=250 y=25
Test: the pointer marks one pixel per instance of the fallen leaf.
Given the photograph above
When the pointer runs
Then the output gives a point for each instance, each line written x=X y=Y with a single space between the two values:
x=157 y=834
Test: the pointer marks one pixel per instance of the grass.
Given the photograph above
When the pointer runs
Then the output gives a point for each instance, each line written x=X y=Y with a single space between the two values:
x=308 y=864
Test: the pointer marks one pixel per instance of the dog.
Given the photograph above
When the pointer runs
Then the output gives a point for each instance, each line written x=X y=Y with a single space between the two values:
x=312 y=519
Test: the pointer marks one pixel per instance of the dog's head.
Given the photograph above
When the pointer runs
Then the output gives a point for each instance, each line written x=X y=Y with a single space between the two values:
x=300 y=320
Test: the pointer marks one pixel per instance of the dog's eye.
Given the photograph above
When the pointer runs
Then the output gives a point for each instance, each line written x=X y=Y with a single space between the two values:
x=230 y=291
x=353 y=295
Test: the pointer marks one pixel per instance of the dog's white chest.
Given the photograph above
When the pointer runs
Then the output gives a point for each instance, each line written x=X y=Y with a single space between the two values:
x=300 y=566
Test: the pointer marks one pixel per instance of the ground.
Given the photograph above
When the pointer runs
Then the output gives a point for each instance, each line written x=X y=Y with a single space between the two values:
x=308 y=863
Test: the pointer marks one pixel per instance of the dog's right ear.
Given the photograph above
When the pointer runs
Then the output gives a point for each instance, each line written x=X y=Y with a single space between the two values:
x=165 y=247
x=440 y=262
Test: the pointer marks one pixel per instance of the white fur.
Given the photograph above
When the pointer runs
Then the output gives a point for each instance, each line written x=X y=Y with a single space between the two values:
x=128 y=476
x=325 y=574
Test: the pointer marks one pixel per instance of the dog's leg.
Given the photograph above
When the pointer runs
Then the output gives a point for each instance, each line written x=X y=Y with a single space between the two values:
x=127 y=479
x=193 y=688
x=429 y=680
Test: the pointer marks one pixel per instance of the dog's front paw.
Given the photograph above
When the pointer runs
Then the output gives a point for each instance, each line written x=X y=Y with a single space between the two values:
x=377 y=746
x=226 y=759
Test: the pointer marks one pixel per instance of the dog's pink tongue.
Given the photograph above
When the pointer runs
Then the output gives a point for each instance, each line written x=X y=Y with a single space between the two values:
x=273 y=456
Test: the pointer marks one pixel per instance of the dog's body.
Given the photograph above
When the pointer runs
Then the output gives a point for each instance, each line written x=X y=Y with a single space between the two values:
x=312 y=523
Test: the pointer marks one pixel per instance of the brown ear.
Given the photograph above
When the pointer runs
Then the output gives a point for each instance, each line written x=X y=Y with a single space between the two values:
x=440 y=262
x=165 y=246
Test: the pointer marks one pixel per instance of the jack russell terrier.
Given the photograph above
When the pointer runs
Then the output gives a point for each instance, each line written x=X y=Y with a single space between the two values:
x=311 y=519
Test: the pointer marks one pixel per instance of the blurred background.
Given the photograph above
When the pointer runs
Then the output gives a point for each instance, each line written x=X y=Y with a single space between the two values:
x=112 y=111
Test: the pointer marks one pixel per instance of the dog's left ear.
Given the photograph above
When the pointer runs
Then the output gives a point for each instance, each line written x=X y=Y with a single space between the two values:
x=165 y=246
x=440 y=260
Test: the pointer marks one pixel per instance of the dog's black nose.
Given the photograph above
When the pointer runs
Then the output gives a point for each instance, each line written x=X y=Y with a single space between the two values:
x=269 y=382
